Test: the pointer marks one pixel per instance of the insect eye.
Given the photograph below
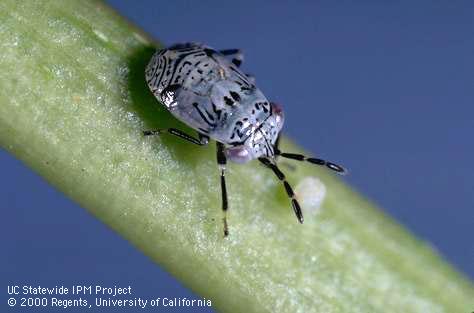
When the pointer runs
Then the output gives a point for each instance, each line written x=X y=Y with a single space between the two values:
x=277 y=109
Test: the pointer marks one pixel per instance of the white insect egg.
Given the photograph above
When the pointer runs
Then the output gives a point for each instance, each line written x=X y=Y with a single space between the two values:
x=310 y=192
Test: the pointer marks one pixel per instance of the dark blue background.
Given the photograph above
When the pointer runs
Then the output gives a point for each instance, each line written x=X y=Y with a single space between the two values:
x=385 y=88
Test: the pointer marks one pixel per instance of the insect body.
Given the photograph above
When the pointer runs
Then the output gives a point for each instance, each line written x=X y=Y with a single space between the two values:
x=206 y=90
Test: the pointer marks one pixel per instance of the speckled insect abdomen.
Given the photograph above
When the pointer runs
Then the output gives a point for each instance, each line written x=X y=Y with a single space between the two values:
x=209 y=93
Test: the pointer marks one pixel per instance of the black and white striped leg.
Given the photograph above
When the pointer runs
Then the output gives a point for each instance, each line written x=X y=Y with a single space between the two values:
x=221 y=162
x=299 y=157
x=276 y=148
x=289 y=191
x=202 y=141
x=234 y=55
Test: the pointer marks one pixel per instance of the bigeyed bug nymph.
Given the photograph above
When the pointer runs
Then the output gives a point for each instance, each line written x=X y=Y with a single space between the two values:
x=205 y=89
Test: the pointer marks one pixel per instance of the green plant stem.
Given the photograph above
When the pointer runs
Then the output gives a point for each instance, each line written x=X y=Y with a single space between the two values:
x=73 y=103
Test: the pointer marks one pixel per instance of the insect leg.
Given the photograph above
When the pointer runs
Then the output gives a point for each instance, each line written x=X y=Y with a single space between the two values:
x=289 y=191
x=299 y=157
x=202 y=141
x=234 y=55
x=251 y=78
x=276 y=148
x=222 y=161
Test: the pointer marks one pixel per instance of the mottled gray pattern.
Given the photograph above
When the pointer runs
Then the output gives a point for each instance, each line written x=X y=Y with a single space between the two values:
x=204 y=89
